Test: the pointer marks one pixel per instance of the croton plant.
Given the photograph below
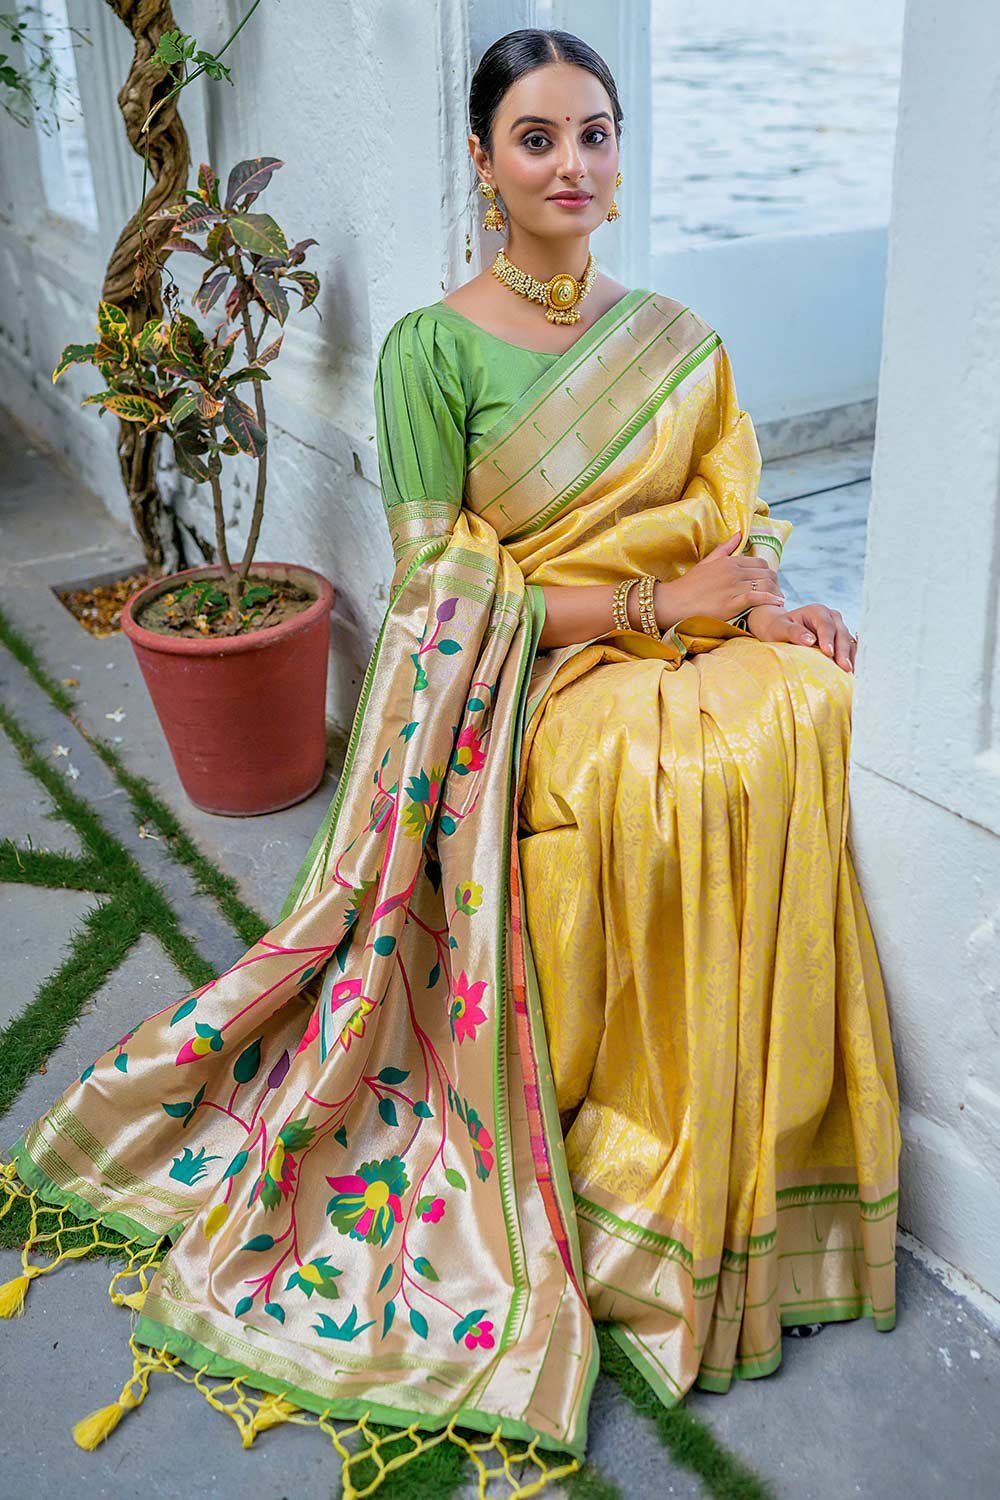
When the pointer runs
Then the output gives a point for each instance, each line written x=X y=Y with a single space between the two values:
x=174 y=377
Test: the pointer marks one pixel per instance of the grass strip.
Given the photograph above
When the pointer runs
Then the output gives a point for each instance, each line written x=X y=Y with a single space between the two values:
x=135 y=905
x=146 y=805
x=689 y=1442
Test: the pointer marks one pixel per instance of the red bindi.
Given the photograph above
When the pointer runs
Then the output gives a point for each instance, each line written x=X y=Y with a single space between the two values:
x=567 y=117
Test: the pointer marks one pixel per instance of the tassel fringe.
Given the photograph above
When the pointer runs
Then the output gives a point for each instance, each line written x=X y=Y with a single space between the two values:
x=253 y=1411
x=55 y=1228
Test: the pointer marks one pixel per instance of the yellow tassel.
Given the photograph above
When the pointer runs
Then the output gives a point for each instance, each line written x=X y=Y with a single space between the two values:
x=134 y=1300
x=13 y=1293
x=90 y=1431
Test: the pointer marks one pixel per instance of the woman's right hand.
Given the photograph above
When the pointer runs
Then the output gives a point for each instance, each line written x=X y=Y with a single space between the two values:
x=718 y=585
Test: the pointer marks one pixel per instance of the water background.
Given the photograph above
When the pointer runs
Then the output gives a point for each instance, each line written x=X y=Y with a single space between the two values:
x=771 y=115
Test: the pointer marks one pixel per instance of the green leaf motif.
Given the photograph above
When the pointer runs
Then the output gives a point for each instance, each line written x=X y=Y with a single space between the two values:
x=276 y=1310
x=248 y=1062
x=182 y=1011
x=469 y=1321
x=384 y=945
x=387 y=1109
x=423 y=1267
x=121 y=1062
x=340 y=1136
x=296 y=1134
x=386 y=1277
x=449 y=647
x=237 y=1164
x=260 y=1242
x=387 y=1316
x=345 y=1331
x=423 y=1109
x=178 y=1111
x=418 y=1323
x=393 y=1075
x=243 y=1306
x=86 y=1073
x=455 y=1178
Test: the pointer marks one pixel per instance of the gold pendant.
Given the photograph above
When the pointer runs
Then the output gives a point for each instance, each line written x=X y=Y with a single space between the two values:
x=562 y=293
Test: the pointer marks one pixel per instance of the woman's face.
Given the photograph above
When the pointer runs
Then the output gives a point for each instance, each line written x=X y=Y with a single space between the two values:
x=554 y=153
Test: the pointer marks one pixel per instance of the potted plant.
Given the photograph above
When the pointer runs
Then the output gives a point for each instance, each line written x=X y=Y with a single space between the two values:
x=234 y=654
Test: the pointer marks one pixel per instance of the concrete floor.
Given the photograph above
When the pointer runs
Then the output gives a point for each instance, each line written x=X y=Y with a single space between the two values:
x=912 y=1413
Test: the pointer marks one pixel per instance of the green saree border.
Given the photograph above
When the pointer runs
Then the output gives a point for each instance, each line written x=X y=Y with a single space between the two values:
x=34 y=1178
x=197 y=1356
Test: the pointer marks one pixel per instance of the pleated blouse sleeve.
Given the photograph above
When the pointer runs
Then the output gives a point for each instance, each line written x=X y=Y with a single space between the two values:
x=420 y=410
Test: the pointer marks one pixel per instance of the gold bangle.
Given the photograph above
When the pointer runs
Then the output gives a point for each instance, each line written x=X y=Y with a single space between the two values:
x=619 y=603
x=647 y=613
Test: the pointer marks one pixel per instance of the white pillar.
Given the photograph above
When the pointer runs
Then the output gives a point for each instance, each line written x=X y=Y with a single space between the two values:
x=926 y=738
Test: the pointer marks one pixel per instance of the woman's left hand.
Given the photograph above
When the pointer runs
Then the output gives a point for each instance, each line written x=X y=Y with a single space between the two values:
x=808 y=625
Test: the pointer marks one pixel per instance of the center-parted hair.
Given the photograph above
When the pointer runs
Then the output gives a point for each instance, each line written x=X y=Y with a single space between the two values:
x=519 y=52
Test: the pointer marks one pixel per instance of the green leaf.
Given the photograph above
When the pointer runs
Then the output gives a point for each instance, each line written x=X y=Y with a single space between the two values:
x=393 y=1075
x=423 y=1109
x=112 y=324
x=182 y=1011
x=384 y=945
x=121 y=1062
x=423 y=1267
x=387 y=1110
x=249 y=372
x=251 y=176
x=276 y=1310
x=389 y=1312
x=135 y=408
x=248 y=1062
x=272 y=294
x=448 y=647
x=386 y=1277
x=260 y=1242
x=243 y=1306
x=178 y=1111
x=296 y=1134
x=258 y=234
x=73 y=354
x=455 y=1178
x=309 y=282
x=185 y=406
x=242 y=427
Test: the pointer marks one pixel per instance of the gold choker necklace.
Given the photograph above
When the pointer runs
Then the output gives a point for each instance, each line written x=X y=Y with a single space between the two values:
x=561 y=295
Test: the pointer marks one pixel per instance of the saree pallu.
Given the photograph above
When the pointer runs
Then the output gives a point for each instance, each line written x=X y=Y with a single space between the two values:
x=352 y=1138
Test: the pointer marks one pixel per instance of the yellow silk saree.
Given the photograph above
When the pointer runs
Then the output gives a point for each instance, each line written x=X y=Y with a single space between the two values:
x=573 y=1013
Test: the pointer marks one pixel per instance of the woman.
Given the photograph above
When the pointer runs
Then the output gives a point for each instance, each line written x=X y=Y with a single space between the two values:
x=593 y=1026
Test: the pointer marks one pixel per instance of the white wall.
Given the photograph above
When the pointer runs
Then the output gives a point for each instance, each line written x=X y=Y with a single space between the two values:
x=926 y=736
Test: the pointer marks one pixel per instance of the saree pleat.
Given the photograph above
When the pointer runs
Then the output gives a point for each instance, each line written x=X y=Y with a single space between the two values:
x=573 y=1012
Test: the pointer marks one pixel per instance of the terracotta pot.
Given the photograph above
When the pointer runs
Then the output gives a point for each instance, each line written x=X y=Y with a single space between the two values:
x=244 y=715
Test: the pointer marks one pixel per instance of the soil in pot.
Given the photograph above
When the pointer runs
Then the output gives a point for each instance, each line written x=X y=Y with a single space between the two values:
x=200 y=607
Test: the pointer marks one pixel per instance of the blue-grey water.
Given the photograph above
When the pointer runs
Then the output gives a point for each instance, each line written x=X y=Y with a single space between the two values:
x=771 y=115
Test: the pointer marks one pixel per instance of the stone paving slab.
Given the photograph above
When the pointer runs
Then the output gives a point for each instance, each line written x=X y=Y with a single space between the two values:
x=909 y=1414
x=27 y=812
x=198 y=918
x=38 y=925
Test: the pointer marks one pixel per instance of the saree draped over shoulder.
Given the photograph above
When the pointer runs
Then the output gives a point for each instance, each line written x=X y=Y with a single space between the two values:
x=573 y=1014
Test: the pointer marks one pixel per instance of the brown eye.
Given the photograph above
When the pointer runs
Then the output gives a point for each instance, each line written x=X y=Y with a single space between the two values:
x=537 y=137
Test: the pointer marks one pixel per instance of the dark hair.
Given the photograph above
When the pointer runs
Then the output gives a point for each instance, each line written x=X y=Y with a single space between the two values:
x=519 y=52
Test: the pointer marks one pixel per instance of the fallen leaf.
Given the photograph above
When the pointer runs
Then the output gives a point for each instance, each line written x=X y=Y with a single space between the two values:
x=71 y=682
x=60 y=750
x=144 y=833
x=116 y=715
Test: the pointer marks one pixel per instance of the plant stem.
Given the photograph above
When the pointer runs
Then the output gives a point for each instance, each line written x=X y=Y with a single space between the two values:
x=258 y=499
x=229 y=578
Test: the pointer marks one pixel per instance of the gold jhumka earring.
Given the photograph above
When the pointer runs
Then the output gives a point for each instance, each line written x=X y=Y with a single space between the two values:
x=614 y=212
x=494 y=214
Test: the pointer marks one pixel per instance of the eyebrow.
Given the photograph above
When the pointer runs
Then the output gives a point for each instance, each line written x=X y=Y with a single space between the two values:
x=602 y=114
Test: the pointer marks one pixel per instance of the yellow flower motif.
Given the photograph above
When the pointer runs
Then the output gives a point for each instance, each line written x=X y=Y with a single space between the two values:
x=469 y=897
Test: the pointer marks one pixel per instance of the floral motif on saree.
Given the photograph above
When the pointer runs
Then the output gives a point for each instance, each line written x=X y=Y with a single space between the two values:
x=351 y=1139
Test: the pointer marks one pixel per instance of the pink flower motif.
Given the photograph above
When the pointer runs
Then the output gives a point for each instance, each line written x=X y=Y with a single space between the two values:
x=469 y=754
x=466 y=1012
x=433 y=1212
x=481 y=1334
